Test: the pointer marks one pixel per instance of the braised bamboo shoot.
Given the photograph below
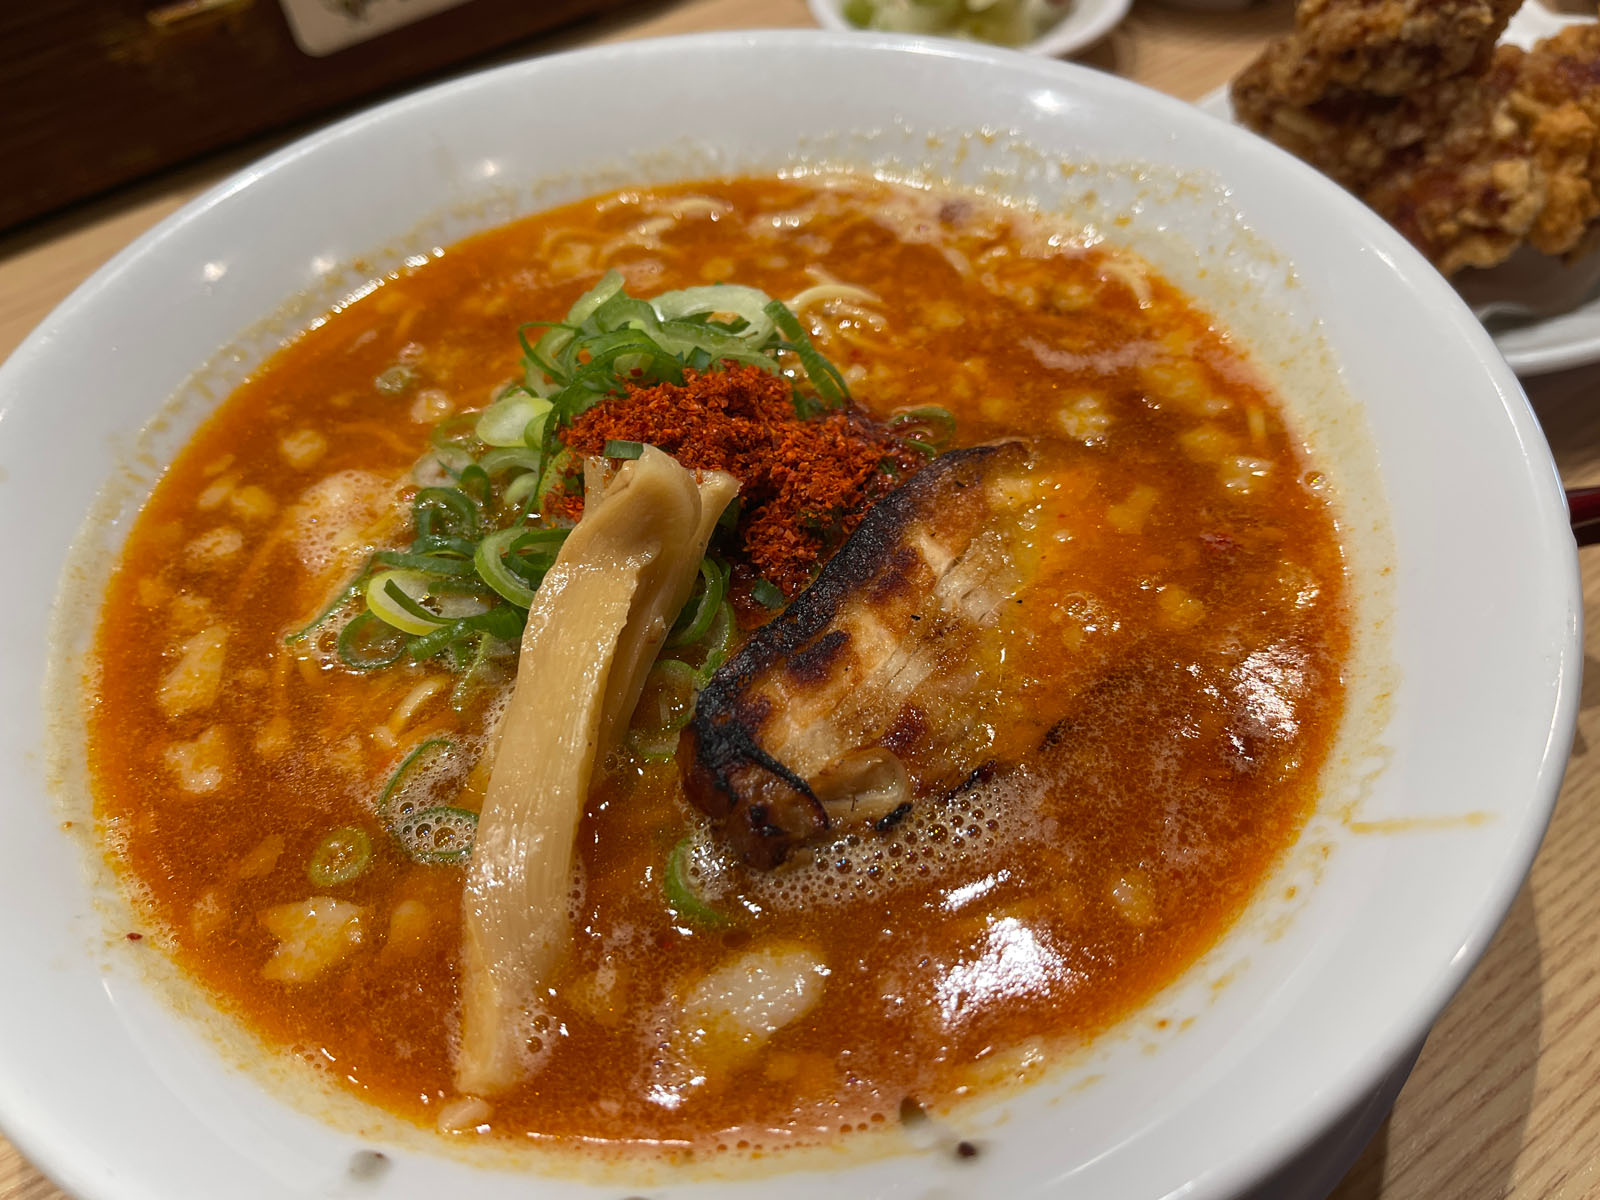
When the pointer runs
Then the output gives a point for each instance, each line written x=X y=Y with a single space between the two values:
x=593 y=630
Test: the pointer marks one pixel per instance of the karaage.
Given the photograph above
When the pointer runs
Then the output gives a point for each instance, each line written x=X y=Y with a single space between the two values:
x=1484 y=150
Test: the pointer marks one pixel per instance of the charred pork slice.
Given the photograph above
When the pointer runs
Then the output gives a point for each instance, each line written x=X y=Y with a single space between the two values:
x=875 y=688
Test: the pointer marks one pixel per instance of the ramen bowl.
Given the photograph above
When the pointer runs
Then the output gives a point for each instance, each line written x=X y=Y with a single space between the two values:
x=121 y=1082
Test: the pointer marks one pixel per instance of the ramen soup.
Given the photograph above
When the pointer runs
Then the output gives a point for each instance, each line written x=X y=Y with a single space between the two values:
x=720 y=666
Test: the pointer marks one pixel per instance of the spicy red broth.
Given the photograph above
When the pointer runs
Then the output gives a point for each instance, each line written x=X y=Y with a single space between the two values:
x=957 y=946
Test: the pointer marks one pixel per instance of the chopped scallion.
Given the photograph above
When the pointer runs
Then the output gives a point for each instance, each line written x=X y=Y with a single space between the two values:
x=343 y=596
x=412 y=779
x=423 y=564
x=667 y=702
x=444 y=511
x=824 y=376
x=719 y=640
x=368 y=644
x=684 y=898
x=438 y=836
x=490 y=563
x=928 y=428
x=505 y=422
x=768 y=594
x=339 y=857
x=694 y=622
x=617 y=448
x=394 y=380
x=393 y=596
x=505 y=459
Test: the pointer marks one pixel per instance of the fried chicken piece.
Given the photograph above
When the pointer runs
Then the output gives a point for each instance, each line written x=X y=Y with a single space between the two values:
x=1355 y=137
x=1460 y=181
x=1382 y=47
x=1468 y=167
x=1556 y=99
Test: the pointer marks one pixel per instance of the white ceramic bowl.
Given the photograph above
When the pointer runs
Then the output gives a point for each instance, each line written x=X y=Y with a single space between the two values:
x=1301 y=1011
x=1084 y=23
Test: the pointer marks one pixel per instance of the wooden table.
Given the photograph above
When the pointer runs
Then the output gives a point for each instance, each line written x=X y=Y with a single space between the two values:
x=1505 y=1101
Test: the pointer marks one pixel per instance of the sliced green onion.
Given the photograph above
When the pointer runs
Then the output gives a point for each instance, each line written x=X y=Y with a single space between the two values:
x=444 y=511
x=719 y=641
x=438 y=836
x=475 y=484
x=685 y=900
x=392 y=597
x=746 y=303
x=768 y=594
x=928 y=429
x=659 y=745
x=520 y=489
x=468 y=681
x=423 y=564
x=490 y=563
x=458 y=655
x=503 y=623
x=505 y=422
x=694 y=622
x=395 y=802
x=452 y=439
x=368 y=644
x=614 y=357
x=441 y=639
x=470 y=586
x=666 y=704
x=533 y=432
x=585 y=305
x=394 y=380
x=506 y=458
x=507 y=463
x=339 y=857
x=699 y=347
x=340 y=598
x=550 y=539
x=929 y=422
x=541 y=373
x=622 y=311
x=618 y=448
x=458 y=548
x=555 y=472
x=823 y=374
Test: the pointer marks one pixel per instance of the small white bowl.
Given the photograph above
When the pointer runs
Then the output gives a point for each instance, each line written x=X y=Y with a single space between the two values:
x=1085 y=22
x=1317 y=996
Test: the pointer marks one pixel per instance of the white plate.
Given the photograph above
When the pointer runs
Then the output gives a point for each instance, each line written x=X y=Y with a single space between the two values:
x=1535 y=346
x=1086 y=22
x=1306 y=1007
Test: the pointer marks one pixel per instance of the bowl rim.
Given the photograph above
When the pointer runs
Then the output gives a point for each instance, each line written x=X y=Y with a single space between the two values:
x=43 y=1141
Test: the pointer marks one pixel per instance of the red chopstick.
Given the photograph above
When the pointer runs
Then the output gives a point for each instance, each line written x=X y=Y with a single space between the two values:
x=1583 y=504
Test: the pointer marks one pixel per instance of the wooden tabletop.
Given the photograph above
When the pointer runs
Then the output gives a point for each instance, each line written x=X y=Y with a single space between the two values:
x=1505 y=1101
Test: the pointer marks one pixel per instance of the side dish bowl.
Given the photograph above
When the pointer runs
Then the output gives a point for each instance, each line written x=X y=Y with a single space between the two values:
x=1082 y=23
x=1445 y=774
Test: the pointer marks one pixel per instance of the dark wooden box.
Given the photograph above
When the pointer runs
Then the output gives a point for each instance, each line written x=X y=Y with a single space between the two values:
x=98 y=92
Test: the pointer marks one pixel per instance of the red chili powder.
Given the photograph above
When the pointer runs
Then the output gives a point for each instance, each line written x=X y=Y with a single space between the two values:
x=805 y=484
